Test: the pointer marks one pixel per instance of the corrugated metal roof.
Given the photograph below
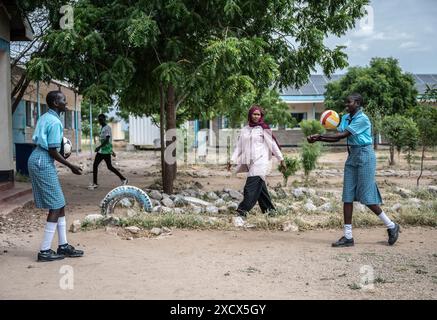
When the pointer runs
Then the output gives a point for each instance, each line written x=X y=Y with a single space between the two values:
x=316 y=84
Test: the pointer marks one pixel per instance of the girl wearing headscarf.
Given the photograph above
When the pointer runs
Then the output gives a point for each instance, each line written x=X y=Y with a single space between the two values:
x=254 y=149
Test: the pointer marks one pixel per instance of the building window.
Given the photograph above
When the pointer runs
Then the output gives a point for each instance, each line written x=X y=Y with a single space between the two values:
x=224 y=123
x=29 y=114
x=317 y=115
x=69 y=119
x=44 y=108
x=299 y=117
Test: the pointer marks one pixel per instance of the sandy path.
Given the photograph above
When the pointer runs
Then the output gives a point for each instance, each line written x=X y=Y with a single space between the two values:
x=227 y=265
x=213 y=264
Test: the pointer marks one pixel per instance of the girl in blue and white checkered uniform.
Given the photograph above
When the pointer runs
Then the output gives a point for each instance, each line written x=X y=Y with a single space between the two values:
x=46 y=187
x=359 y=170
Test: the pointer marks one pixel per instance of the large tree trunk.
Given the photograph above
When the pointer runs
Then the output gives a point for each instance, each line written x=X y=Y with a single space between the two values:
x=170 y=163
x=375 y=141
x=421 y=165
x=392 y=155
x=161 y=129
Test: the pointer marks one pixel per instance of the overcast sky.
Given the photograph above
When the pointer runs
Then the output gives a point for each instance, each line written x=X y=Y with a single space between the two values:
x=403 y=29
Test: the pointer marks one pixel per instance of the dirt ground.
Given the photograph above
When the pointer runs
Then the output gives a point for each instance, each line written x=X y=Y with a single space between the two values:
x=234 y=264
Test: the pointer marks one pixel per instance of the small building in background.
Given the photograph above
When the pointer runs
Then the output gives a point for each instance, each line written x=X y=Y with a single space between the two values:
x=26 y=115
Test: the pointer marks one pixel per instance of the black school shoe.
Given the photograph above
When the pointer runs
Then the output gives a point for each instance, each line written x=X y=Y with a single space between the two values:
x=344 y=242
x=393 y=234
x=49 y=255
x=69 y=251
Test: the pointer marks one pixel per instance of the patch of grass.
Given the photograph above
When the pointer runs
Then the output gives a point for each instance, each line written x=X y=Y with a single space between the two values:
x=423 y=194
x=21 y=178
x=419 y=217
x=354 y=286
x=382 y=280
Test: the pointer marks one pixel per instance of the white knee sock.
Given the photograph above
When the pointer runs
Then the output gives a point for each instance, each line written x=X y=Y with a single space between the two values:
x=49 y=232
x=389 y=224
x=348 y=231
x=62 y=231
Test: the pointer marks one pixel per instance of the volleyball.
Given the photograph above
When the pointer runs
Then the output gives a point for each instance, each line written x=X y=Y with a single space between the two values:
x=66 y=147
x=330 y=119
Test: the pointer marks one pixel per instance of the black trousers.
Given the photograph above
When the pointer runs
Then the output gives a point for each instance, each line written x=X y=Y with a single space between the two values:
x=255 y=190
x=107 y=157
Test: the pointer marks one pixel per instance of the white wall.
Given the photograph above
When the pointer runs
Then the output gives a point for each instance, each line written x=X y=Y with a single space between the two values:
x=142 y=131
x=6 y=162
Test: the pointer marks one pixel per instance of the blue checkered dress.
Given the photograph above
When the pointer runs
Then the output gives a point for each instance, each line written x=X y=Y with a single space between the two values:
x=359 y=176
x=46 y=187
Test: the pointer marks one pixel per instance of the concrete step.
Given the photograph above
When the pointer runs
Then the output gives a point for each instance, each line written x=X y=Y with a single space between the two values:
x=6 y=185
x=14 y=193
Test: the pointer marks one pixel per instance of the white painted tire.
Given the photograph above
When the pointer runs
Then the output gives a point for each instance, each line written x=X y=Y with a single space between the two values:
x=116 y=195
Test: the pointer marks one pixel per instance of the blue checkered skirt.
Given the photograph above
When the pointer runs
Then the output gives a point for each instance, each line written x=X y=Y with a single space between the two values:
x=46 y=187
x=359 y=176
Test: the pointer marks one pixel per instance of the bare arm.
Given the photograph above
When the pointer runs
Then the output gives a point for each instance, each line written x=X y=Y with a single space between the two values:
x=328 y=138
x=55 y=155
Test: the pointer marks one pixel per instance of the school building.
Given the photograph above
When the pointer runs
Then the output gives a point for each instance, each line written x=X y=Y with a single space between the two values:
x=33 y=104
x=13 y=27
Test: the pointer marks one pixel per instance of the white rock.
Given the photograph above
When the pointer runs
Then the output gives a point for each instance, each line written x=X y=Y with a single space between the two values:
x=226 y=196
x=93 y=218
x=223 y=210
x=154 y=194
x=327 y=207
x=133 y=229
x=297 y=193
x=236 y=195
x=219 y=203
x=178 y=210
x=111 y=220
x=309 y=206
x=156 y=231
x=156 y=209
x=179 y=201
x=232 y=206
x=211 y=209
x=167 y=202
x=166 y=210
x=396 y=207
x=75 y=226
x=212 y=196
x=195 y=209
x=405 y=193
x=166 y=230
x=196 y=201
x=289 y=226
x=126 y=203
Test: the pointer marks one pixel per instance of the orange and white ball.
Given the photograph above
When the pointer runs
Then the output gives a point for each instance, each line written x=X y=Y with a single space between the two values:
x=330 y=119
